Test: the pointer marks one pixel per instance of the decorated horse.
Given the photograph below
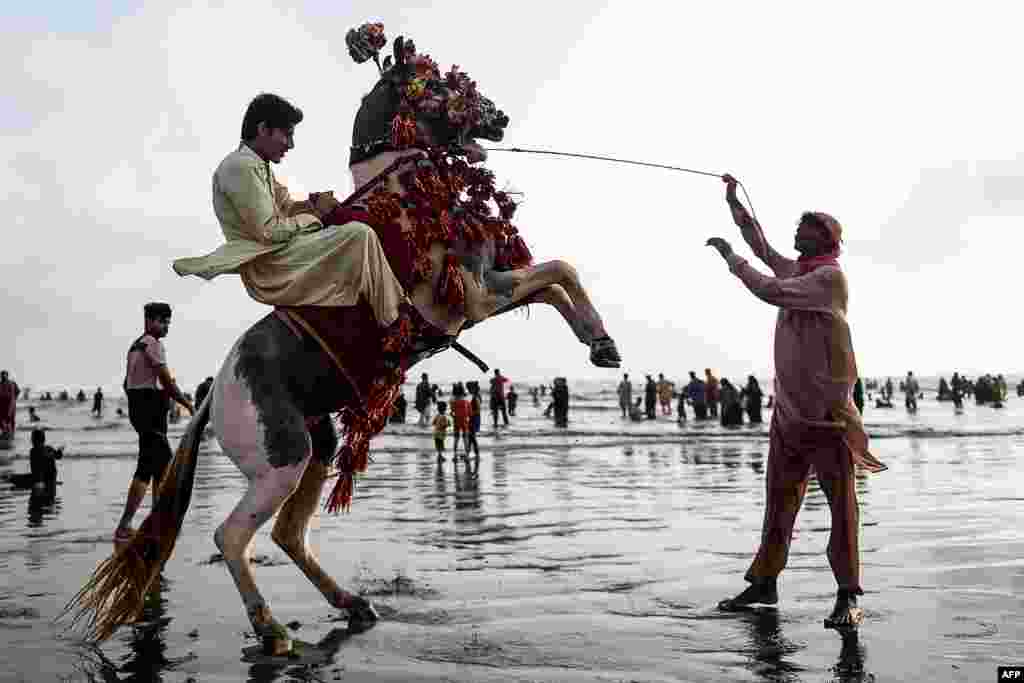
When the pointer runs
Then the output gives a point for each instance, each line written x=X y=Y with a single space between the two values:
x=448 y=238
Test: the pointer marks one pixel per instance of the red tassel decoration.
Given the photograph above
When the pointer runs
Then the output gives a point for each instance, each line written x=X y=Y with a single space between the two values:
x=450 y=287
x=403 y=131
x=358 y=429
x=520 y=255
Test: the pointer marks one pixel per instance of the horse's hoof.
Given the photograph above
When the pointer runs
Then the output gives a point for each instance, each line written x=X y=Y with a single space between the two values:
x=603 y=353
x=276 y=646
x=361 y=615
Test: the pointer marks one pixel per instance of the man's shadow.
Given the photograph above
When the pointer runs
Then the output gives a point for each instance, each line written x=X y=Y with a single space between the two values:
x=771 y=650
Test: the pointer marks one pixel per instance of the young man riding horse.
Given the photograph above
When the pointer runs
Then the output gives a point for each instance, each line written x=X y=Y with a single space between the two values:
x=362 y=290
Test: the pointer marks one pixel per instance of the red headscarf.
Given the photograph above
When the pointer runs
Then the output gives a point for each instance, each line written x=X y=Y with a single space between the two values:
x=830 y=258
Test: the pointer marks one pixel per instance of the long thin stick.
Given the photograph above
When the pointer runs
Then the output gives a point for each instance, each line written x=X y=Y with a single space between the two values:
x=597 y=157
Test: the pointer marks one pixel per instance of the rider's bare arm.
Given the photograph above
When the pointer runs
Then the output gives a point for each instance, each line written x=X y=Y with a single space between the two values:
x=167 y=381
x=263 y=220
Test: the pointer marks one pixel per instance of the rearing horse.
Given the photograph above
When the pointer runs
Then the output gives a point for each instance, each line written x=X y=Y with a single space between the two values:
x=272 y=398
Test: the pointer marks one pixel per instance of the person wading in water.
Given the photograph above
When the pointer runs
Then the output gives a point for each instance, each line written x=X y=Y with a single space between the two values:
x=815 y=423
x=149 y=386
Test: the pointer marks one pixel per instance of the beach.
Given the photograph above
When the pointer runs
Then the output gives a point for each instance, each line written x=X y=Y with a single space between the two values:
x=593 y=553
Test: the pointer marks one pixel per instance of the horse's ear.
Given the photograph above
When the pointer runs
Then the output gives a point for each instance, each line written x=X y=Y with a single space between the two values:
x=399 y=51
x=387 y=63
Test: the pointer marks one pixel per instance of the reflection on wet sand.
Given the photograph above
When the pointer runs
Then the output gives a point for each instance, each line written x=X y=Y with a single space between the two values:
x=769 y=650
x=565 y=563
x=146 y=640
x=41 y=508
x=772 y=656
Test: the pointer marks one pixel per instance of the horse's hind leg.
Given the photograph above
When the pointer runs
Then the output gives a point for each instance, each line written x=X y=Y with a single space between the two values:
x=291 y=530
x=273 y=472
x=266 y=493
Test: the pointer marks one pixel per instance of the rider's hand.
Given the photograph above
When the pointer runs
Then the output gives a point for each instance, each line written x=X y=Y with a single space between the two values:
x=324 y=202
x=723 y=247
x=730 y=186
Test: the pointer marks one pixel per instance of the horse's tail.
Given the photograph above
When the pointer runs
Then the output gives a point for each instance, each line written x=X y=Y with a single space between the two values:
x=115 y=594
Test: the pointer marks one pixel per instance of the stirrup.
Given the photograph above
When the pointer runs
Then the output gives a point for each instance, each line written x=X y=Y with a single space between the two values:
x=603 y=353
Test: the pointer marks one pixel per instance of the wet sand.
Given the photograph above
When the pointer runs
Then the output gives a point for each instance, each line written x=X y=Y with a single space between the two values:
x=569 y=560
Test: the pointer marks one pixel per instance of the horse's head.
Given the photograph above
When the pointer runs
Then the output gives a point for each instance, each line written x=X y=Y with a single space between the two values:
x=414 y=105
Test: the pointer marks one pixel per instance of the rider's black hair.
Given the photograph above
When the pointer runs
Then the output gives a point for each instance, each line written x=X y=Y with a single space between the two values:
x=273 y=110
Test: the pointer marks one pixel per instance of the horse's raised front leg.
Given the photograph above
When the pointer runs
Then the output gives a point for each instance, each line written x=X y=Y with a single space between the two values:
x=556 y=297
x=556 y=283
x=271 y=447
x=291 y=530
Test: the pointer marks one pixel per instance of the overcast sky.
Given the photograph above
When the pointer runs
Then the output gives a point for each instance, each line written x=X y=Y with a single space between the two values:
x=902 y=120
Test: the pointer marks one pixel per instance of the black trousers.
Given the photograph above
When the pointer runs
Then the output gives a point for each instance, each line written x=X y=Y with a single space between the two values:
x=147 y=411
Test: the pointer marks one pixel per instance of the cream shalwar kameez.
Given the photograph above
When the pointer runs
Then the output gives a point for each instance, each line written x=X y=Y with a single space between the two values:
x=287 y=260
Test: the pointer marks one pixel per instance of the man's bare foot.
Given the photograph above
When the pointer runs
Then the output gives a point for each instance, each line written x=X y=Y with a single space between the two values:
x=761 y=592
x=846 y=614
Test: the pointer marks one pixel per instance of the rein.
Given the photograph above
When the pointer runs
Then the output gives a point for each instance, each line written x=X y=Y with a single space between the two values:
x=648 y=164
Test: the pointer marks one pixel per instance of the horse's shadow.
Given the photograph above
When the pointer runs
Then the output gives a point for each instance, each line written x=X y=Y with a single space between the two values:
x=297 y=664
x=147 y=640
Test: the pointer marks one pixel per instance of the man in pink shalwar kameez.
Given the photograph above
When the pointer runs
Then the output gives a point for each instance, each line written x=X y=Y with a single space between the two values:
x=815 y=425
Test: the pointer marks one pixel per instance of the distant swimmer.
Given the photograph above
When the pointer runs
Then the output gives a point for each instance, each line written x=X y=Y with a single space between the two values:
x=911 y=389
x=8 y=402
x=43 y=463
x=42 y=474
x=97 y=402
x=815 y=424
x=636 y=411
x=560 y=401
x=625 y=392
x=32 y=415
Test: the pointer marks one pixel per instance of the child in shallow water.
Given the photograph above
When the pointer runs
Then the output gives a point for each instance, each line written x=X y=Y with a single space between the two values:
x=474 y=418
x=441 y=424
x=43 y=461
x=461 y=410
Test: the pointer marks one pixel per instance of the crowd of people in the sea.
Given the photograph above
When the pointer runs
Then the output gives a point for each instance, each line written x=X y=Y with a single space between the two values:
x=816 y=425
x=710 y=398
x=987 y=389
x=502 y=401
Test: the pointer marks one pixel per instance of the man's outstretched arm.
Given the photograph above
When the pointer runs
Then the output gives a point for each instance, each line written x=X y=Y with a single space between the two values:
x=752 y=233
x=812 y=291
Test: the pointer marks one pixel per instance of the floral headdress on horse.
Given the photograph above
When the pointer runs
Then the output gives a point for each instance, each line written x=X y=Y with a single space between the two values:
x=418 y=91
x=445 y=199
